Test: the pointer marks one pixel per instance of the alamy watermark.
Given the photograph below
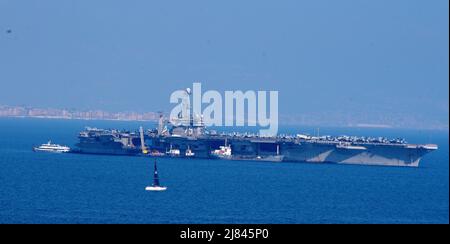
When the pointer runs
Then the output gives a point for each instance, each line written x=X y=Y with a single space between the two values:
x=238 y=108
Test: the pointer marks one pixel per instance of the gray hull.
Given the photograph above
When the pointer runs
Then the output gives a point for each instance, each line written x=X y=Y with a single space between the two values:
x=337 y=151
x=372 y=155
x=319 y=152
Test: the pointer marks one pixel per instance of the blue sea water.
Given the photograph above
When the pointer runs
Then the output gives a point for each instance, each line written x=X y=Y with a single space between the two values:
x=72 y=188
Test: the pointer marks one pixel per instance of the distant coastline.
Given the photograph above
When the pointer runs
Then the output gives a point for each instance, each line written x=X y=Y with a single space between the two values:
x=54 y=113
x=314 y=119
x=373 y=126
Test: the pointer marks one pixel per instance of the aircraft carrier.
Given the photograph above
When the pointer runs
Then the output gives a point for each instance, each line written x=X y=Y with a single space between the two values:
x=196 y=141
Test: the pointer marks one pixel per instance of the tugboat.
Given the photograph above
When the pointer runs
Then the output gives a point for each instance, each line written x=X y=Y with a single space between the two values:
x=173 y=152
x=189 y=152
x=49 y=147
x=155 y=186
x=224 y=152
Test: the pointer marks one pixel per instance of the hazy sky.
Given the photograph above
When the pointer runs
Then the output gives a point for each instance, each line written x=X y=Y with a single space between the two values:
x=387 y=58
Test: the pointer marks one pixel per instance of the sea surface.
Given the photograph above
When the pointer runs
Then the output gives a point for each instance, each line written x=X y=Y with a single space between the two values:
x=74 y=188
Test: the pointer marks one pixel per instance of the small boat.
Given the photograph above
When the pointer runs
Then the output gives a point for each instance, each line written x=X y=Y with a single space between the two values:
x=155 y=186
x=173 y=152
x=49 y=147
x=224 y=152
x=189 y=152
x=156 y=153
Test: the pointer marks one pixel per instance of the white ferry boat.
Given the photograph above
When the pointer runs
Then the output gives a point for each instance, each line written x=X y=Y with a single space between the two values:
x=49 y=147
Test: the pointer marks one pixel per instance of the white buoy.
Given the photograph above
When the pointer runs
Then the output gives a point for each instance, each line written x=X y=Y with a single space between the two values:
x=155 y=186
